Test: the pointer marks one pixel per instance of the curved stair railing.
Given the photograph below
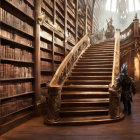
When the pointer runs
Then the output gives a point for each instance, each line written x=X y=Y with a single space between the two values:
x=125 y=42
x=55 y=85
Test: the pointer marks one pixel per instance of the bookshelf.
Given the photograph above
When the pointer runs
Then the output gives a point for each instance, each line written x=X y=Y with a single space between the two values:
x=17 y=59
x=31 y=52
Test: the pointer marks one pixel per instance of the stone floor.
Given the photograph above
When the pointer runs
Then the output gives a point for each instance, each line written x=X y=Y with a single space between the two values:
x=128 y=129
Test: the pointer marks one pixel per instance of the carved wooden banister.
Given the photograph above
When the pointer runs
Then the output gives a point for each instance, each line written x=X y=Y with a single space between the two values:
x=116 y=61
x=55 y=86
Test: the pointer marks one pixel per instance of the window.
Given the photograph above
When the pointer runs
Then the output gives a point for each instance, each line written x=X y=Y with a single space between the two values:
x=108 y=5
x=137 y=5
x=131 y=5
x=113 y=6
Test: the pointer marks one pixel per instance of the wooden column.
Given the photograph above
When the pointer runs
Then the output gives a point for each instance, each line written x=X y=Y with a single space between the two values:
x=37 y=51
x=54 y=11
x=136 y=27
x=65 y=30
x=76 y=23
x=86 y=18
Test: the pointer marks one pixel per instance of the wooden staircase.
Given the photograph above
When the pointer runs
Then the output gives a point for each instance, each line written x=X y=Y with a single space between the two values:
x=85 y=96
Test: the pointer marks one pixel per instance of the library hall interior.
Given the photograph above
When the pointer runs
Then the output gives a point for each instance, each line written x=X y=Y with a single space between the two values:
x=69 y=69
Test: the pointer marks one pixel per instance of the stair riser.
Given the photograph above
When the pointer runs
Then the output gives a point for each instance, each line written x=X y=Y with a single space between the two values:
x=83 y=89
x=92 y=70
x=94 y=66
x=94 y=63
x=89 y=78
x=78 y=114
x=91 y=74
x=92 y=60
x=84 y=104
x=86 y=83
x=97 y=55
x=82 y=96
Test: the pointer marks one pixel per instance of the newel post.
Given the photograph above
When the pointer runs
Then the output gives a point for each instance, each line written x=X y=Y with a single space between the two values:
x=53 y=104
x=114 y=95
x=136 y=26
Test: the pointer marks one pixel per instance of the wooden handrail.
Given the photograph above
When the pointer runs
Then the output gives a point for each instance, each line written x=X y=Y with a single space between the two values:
x=63 y=66
x=116 y=61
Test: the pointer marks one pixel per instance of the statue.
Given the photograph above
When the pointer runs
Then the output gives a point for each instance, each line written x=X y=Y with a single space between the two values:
x=110 y=29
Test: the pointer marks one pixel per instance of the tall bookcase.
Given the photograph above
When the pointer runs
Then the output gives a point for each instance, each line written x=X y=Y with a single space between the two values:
x=16 y=59
x=31 y=51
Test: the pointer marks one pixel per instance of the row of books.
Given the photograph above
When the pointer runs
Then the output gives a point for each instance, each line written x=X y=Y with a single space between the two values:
x=23 y=6
x=15 y=105
x=46 y=8
x=15 y=71
x=60 y=3
x=56 y=66
x=46 y=78
x=58 y=57
x=71 y=28
x=45 y=55
x=15 y=36
x=46 y=35
x=11 y=52
x=71 y=20
x=15 y=22
x=59 y=50
x=58 y=41
x=46 y=66
x=49 y=2
x=72 y=2
x=71 y=12
x=46 y=45
x=11 y=89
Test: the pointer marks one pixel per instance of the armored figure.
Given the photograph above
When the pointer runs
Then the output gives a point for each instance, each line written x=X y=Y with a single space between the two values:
x=128 y=87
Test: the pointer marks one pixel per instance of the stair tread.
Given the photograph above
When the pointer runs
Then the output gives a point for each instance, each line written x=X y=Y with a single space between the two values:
x=87 y=86
x=86 y=110
x=88 y=100
x=95 y=108
x=83 y=92
x=93 y=72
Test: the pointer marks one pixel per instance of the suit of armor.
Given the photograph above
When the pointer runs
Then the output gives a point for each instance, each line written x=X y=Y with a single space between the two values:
x=128 y=87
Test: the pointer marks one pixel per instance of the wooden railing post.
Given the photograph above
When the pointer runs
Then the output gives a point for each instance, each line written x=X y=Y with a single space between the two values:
x=114 y=103
x=136 y=27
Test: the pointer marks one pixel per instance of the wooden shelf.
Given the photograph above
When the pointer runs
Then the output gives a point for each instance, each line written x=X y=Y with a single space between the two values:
x=59 y=6
x=12 y=6
x=15 y=79
x=58 y=12
x=18 y=95
x=15 y=42
x=71 y=42
x=48 y=26
x=59 y=53
x=16 y=61
x=46 y=59
x=50 y=14
x=73 y=26
x=17 y=111
x=45 y=49
x=48 y=4
x=15 y=28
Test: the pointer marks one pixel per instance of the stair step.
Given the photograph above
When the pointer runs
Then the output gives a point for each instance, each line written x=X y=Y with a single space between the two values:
x=82 y=94
x=85 y=103
x=102 y=54
x=87 y=82
x=88 y=112
x=85 y=88
x=91 y=59
x=99 y=52
x=94 y=66
x=89 y=77
x=92 y=69
x=91 y=73
x=86 y=120
x=94 y=63
x=98 y=57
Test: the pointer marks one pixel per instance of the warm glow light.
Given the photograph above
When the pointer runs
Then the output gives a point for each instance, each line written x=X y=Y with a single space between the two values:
x=131 y=5
x=108 y=4
x=137 y=5
x=113 y=6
